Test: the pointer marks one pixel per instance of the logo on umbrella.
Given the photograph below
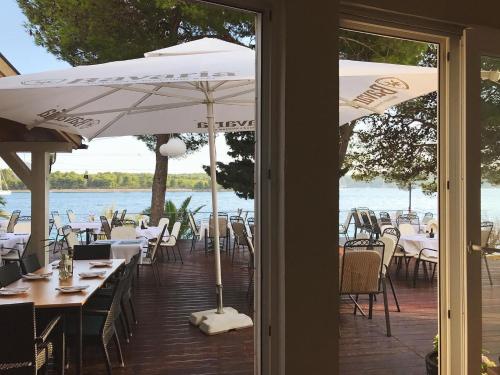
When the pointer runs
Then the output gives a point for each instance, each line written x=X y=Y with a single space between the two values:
x=393 y=82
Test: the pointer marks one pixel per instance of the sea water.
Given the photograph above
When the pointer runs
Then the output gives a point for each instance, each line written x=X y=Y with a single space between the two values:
x=377 y=199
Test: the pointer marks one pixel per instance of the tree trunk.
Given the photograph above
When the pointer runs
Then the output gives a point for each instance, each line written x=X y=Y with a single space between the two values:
x=159 y=181
x=345 y=133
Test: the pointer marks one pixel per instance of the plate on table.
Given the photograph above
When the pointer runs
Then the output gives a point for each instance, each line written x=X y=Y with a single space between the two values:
x=37 y=276
x=13 y=291
x=72 y=288
x=92 y=274
x=101 y=263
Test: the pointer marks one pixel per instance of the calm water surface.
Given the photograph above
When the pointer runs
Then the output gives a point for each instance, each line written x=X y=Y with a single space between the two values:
x=378 y=199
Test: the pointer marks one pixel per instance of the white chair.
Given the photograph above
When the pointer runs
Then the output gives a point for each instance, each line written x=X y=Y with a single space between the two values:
x=432 y=224
x=163 y=221
x=171 y=242
x=71 y=216
x=406 y=229
x=390 y=243
x=123 y=233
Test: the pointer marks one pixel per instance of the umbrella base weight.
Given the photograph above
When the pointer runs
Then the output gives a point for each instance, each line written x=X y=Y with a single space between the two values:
x=212 y=323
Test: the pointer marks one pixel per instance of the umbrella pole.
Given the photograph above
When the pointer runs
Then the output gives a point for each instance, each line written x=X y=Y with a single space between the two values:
x=215 y=209
x=220 y=320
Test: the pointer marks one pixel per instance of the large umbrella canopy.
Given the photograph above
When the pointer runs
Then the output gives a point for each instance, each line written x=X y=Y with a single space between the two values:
x=366 y=87
x=205 y=85
x=164 y=92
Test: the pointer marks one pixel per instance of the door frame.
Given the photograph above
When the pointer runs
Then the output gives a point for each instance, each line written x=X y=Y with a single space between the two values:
x=450 y=325
x=475 y=44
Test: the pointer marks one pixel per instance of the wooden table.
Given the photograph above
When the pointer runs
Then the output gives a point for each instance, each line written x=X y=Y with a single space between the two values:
x=44 y=295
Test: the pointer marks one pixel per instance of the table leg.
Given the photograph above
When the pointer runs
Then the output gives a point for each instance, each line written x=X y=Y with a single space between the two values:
x=79 y=342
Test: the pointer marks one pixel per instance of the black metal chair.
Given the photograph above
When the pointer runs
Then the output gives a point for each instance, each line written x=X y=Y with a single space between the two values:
x=92 y=252
x=9 y=273
x=486 y=229
x=22 y=351
x=15 y=254
x=374 y=224
x=14 y=217
x=362 y=272
x=425 y=260
x=403 y=219
x=239 y=232
x=427 y=216
x=30 y=264
x=385 y=218
x=114 y=220
x=251 y=225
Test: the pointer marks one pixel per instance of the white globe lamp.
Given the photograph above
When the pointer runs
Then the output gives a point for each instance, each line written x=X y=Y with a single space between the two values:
x=173 y=148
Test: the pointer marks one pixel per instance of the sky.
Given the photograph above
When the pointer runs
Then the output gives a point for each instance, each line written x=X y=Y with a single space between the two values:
x=121 y=154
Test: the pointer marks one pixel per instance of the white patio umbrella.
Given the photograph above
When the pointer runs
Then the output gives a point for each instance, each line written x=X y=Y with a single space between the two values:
x=366 y=87
x=203 y=86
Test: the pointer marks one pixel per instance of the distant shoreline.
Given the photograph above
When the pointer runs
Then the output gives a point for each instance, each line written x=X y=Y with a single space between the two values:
x=116 y=190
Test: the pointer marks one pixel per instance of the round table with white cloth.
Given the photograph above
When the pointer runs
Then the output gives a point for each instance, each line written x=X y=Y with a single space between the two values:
x=416 y=242
x=123 y=249
x=9 y=241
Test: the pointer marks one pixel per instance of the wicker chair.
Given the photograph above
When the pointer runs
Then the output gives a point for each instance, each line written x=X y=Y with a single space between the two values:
x=106 y=228
x=30 y=264
x=171 y=242
x=362 y=272
x=21 y=350
x=100 y=321
x=223 y=230
x=9 y=273
x=239 y=231
x=14 y=217
x=92 y=252
x=400 y=257
x=150 y=258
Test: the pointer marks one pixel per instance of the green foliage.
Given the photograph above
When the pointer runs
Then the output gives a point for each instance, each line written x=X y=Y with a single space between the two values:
x=112 y=180
x=238 y=175
x=177 y=214
x=3 y=214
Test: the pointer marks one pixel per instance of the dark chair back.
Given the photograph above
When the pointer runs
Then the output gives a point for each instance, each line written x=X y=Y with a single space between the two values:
x=385 y=218
x=17 y=353
x=106 y=228
x=30 y=264
x=403 y=219
x=114 y=219
x=374 y=222
x=238 y=225
x=14 y=217
x=92 y=252
x=9 y=273
x=122 y=217
x=251 y=225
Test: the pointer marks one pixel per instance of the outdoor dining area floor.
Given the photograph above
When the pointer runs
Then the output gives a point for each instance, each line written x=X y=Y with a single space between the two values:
x=365 y=348
x=163 y=341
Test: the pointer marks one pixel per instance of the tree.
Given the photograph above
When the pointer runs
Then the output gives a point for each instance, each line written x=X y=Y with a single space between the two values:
x=90 y=32
x=3 y=214
x=239 y=173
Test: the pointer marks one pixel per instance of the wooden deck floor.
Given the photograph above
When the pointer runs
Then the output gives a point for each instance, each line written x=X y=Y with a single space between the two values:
x=365 y=349
x=164 y=342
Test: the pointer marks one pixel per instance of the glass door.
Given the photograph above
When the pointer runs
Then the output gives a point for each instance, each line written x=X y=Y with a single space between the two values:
x=481 y=228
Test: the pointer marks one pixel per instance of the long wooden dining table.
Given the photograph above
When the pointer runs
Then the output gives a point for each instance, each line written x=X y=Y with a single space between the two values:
x=44 y=295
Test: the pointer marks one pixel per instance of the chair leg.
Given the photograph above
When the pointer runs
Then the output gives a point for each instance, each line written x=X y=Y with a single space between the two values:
x=179 y=251
x=356 y=304
x=370 y=306
x=192 y=243
x=488 y=269
x=124 y=327
x=433 y=272
x=393 y=291
x=386 y=308
x=119 y=349
x=415 y=272
x=132 y=309
x=106 y=356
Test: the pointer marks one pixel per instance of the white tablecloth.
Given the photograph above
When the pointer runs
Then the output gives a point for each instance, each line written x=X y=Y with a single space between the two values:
x=150 y=232
x=95 y=226
x=123 y=249
x=3 y=224
x=12 y=241
x=416 y=242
